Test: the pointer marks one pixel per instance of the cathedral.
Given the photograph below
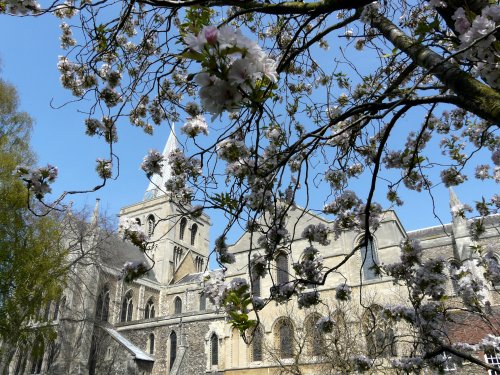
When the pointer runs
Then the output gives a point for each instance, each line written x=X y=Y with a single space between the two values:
x=163 y=323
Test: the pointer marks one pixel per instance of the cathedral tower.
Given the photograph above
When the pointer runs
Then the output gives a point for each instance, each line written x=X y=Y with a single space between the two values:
x=179 y=243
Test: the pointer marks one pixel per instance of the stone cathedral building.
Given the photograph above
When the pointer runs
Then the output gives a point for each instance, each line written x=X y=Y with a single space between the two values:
x=163 y=323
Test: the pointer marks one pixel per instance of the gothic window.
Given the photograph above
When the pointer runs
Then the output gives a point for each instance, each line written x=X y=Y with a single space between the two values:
x=127 y=307
x=257 y=343
x=285 y=339
x=495 y=260
x=182 y=228
x=380 y=340
x=151 y=342
x=255 y=286
x=194 y=230
x=37 y=357
x=214 y=350
x=20 y=365
x=151 y=225
x=282 y=269
x=56 y=310
x=47 y=311
x=102 y=308
x=203 y=302
x=314 y=337
x=177 y=305
x=149 y=311
x=369 y=260
x=173 y=348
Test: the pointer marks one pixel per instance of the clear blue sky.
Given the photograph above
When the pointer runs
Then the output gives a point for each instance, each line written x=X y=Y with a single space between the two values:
x=29 y=51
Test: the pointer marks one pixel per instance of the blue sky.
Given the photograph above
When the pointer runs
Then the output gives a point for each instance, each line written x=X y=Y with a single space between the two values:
x=29 y=51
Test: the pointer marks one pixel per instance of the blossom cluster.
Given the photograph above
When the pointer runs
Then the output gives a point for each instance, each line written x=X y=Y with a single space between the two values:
x=317 y=233
x=361 y=363
x=105 y=128
x=477 y=36
x=24 y=7
x=470 y=287
x=104 y=168
x=325 y=324
x=234 y=68
x=408 y=364
x=214 y=286
x=132 y=231
x=194 y=126
x=343 y=292
x=223 y=255
x=74 y=77
x=152 y=163
x=258 y=266
x=283 y=292
x=132 y=270
x=350 y=213
x=308 y=299
x=37 y=180
x=182 y=168
x=310 y=266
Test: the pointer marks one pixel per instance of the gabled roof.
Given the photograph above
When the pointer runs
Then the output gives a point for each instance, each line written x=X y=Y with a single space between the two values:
x=122 y=340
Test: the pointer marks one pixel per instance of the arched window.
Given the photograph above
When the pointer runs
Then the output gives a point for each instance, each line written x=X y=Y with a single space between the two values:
x=282 y=269
x=151 y=345
x=194 y=230
x=56 y=310
x=47 y=311
x=127 y=307
x=255 y=286
x=369 y=260
x=102 y=308
x=380 y=340
x=494 y=264
x=258 y=341
x=173 y=348
x=285 y=339
x=138 y=221
x=21 y=363
x=214 y=350
x=203 y=302
x=149 y=311
x=314 y=337
x=177 y=305
x=182 y=228
x=37 y=357
x=151 y=225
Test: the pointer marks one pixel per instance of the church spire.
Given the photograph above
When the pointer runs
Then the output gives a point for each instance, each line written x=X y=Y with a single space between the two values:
x=456 y=207
x=158 y=182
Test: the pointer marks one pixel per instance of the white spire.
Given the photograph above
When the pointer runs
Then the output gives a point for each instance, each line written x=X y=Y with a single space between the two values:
x=158 y=181
x=455 y=205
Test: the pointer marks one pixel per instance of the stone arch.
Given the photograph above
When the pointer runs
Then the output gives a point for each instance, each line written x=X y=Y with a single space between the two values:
x=127 y=307
x=151 y=225
x=194 y=232
x=379 y=334
x=177 y=305
x=314 y=338
x=182 y=228
x=284 y=337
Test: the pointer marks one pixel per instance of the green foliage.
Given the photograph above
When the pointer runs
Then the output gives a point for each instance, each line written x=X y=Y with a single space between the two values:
x=237 y=302
x=32 y=256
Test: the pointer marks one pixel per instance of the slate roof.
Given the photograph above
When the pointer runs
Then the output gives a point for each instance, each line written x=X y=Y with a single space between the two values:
x=115 y=252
